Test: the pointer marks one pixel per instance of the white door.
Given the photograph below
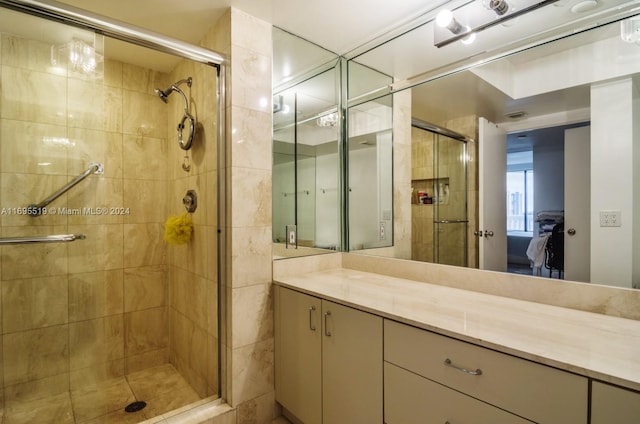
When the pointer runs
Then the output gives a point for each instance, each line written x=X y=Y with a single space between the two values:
x=492 y=204
x=577 y=182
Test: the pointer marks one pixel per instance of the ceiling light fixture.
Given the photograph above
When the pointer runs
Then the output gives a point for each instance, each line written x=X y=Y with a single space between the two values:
x=476 y=16
x=446 y=20
x=330 y=120
x=500 y=7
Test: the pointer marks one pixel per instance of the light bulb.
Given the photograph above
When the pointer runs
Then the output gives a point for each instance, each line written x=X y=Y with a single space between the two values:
x=444 y=18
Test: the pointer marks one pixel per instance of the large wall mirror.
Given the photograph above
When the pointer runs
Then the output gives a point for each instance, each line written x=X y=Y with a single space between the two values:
x=521 y=149
x=306 y=148
x=472 y=155
x=321 y=164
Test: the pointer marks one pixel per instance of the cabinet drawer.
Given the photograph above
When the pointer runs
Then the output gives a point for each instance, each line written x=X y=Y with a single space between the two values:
x=611 y=404
x=411 y=399
x=537 y=392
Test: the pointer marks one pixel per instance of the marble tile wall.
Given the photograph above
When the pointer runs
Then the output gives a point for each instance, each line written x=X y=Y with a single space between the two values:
x=193 y=288
x=73 y=314
x=247 y=338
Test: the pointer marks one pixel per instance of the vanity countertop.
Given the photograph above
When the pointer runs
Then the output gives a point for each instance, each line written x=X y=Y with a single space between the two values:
x=599 y=346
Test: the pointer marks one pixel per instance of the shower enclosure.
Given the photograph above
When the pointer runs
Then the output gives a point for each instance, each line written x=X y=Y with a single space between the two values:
x=104 y=322
x=439 y=195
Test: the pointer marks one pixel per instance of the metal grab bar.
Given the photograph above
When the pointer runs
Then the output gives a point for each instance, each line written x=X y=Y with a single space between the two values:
x=59 y=238
x=36 y=209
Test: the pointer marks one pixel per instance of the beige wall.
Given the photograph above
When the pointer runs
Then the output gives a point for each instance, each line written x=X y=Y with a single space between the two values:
x=248 y=335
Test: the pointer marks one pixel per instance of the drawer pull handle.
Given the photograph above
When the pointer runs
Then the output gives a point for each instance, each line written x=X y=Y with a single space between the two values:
x=326 y=328
x=311 y=326
x=448 y=363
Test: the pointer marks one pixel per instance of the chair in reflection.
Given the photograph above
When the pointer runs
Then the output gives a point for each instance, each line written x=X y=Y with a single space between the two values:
x=554 y=250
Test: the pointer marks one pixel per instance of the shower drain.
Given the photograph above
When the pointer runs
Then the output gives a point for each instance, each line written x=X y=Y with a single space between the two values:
x=135 y=406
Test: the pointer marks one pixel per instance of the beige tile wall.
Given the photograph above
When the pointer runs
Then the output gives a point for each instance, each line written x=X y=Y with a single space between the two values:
x=76 y=313
x=248 y=335
x=192 y=267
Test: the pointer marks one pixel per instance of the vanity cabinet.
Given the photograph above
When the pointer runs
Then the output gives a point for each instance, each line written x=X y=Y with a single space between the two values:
x=328 y=360
x=611 y=404
x=497 y=386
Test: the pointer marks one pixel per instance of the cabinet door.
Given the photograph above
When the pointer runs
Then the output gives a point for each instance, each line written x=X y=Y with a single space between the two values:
x=610 y=404
x=352 y=366
x=298 y=361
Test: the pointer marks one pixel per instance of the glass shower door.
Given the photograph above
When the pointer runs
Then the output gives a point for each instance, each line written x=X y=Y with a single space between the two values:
x=450 y=201
x=114 y=326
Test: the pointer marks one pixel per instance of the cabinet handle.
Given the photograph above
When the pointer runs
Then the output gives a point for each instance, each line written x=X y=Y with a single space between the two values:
x=311 y=326
x=448 y=363
x=326 y=329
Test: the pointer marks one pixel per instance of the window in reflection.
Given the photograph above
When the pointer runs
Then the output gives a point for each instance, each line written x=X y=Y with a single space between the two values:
x=520 y=200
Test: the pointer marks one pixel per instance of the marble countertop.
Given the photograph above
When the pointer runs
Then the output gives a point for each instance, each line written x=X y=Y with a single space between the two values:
x=594 y=345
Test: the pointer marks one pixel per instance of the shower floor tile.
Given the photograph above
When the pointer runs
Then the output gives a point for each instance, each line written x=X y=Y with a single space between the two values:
x=162 y=388
x=56 y=409
x=101 y=399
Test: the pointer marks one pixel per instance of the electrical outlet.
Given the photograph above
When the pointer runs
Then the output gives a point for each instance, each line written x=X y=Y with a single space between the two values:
x=383 y=232
x=610 y=219
x=292 y=235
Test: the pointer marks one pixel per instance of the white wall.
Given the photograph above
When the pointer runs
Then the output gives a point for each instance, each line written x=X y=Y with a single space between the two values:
x=548 y=172
x=612 y=162
x=605 y=59
x=327 y=204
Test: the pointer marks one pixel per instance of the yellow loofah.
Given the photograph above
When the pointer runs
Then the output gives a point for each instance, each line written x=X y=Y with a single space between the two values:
x=178 y=229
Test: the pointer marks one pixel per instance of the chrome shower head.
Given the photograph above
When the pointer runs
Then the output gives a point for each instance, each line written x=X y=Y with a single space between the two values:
x=164 y=95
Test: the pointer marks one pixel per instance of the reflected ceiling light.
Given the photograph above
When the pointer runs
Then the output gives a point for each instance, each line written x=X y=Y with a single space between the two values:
x=329 y=120
x=630 y=30
x=469 y=38
x=446 y=20
x=500 y=7
x=77 y=56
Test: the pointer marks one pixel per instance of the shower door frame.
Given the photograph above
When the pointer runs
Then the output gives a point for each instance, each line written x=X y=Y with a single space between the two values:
x=445 y=132
x=123 y=31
